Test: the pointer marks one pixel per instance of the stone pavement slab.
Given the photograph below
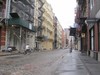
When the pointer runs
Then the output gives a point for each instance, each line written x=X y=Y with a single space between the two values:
x=91 y=64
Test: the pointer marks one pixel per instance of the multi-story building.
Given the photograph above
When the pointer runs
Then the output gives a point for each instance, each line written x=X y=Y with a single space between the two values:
x=48 y=28
x=17 y=23
x=57 y=34
x=81 y=26
x=89 y=19
x=63 y=39
x=67 y=38
x=93 y=22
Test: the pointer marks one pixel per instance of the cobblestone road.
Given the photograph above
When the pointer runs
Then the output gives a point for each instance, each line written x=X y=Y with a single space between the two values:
x=37 y=63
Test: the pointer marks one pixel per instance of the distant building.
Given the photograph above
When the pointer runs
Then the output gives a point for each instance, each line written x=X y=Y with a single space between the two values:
x=63 y=39
x=57 y=34
x=68 y=38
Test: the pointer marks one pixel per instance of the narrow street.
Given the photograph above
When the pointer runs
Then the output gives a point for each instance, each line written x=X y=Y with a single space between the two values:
x=57 y=62
x=37 y=63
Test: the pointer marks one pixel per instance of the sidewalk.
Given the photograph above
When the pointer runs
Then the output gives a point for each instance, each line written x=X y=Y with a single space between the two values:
x=76 y=63
x=8 y=53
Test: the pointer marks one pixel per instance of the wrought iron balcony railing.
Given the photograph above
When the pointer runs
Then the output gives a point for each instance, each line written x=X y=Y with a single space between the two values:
x=28 y=2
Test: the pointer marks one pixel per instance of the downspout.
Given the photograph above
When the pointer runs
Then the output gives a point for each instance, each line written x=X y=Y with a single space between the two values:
x=6 y=16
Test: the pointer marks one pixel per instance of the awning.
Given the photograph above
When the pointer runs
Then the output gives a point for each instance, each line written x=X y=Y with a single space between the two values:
x=91 y=20
x=21 y=22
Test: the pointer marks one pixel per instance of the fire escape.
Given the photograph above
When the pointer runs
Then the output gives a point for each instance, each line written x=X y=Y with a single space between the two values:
x=21 y=22
x=39 y=36
x=81 y=16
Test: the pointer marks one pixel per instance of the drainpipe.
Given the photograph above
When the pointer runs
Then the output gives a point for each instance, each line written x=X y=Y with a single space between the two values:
x=6 y=16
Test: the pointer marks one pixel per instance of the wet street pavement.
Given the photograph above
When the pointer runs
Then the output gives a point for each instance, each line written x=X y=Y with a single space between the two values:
x=57 y=62
x=76 y=63
x=37 y=63
x=72 y=65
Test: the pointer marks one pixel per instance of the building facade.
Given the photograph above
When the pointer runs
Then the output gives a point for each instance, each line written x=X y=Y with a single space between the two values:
x=45 y=30
x=63 y=39
x=89 y=14
x=67 y=38
x=55 y=32
x=94 y=29
x=17 y=23
x=28 y=22
x=81 y=32
x=38 y=23
x=48 y=28
x=59 y=35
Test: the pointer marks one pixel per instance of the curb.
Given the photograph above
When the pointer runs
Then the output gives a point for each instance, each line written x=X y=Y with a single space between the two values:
x=8 y=54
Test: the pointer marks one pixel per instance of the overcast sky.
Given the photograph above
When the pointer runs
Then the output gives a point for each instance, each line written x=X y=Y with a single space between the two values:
x=64 y=10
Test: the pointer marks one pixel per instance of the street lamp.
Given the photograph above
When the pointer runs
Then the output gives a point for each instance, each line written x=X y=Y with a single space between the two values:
x=83 y=35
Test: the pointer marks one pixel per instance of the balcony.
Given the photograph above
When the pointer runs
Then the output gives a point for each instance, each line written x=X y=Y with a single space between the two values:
x=41 y=3
x=40 y=28
x=42 y=38
x=41 y=18
x=23 y=8
x=42 y=9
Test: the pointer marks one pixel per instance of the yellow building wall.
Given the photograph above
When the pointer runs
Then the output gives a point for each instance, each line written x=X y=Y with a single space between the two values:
x=47 y=45
x=48 y=30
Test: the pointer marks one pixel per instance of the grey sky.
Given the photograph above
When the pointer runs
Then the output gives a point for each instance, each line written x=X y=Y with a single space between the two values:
x=64 y=10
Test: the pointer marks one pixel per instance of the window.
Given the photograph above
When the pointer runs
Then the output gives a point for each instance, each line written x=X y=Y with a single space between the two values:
x=91 y=4
x=92 y=39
